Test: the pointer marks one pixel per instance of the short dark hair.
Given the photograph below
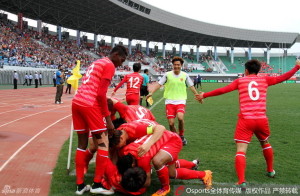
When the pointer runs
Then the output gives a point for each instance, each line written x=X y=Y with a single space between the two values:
x=146 y=70
x=136 y=67
x=133 y=179
x=121 y=50
x=114 y=139
x=177 y=58
x=124 y=163
x=253 y=66
x=118 y=122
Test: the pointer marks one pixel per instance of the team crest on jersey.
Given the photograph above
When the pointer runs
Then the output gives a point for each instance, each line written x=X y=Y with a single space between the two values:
x=181 y=79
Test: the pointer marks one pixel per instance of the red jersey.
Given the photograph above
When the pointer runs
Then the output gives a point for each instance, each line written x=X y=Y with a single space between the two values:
x=145 y=161
x=88 y=91
x=252 y=93
x=137 y=129
x=134 y=82
x=133 y=112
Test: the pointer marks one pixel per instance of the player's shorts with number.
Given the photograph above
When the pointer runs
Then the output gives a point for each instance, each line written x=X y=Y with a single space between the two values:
x=245 y=129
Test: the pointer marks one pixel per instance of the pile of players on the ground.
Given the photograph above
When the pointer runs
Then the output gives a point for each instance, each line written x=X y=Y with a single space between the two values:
x=137 y=141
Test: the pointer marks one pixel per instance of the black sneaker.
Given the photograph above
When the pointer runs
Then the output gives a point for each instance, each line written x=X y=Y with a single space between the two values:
x=97 y=188
x=184 y=141
x=197 y=162
x=81 y=188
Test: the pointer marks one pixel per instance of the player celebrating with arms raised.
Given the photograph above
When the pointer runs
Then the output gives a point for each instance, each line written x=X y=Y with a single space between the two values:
x=134 y=82
x=252 y=117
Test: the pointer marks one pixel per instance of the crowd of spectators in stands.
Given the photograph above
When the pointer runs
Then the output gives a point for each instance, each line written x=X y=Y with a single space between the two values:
x=28 y=48
x=265 y=68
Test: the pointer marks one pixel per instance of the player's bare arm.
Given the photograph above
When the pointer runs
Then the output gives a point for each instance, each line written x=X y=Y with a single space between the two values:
x=157 y=131
x=194 y=90
x=155 y=88
x=199 y=97
x=109 y=125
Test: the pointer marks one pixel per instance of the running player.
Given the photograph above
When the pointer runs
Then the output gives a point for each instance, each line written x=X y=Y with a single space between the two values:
x=175 y=93
x=134 y=82
x=252 y=117
x=90 y=113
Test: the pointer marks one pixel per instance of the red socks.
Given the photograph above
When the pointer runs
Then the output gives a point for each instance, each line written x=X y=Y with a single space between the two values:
x=88 y=156
x=101 y=159
x=80 y=164
x=185 y=174
x=182 y=163
x=163 y=176
x=240 y=166
x=181 y=132
x=268 y=154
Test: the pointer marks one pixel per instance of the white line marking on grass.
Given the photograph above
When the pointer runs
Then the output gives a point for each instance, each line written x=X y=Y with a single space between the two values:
x=156 y=103
x=28 y=116
x=24 y=145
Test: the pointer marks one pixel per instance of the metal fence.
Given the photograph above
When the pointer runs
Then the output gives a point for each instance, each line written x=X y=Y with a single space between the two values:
x=7 y=76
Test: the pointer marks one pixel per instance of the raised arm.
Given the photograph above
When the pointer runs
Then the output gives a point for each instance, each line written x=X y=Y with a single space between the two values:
x=285 y=76
x=118 y=86
x=155 y=88
x=226 y=89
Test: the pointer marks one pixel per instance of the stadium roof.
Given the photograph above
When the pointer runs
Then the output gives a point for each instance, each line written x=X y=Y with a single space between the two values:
x=135 y=19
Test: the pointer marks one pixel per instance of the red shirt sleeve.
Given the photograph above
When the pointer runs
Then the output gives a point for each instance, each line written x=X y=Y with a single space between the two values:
x=121 y=108
x=151 y=116
x=121 y=83
x=226 y=89
x=141 y=130
x=101 y=97
x=275 y=80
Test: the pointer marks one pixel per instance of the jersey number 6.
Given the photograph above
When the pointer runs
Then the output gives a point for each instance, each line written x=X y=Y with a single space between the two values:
x=252 y=91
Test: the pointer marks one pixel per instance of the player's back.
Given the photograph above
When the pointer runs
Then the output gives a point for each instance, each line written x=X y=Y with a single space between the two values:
x=132 y=148
x=252 y=96
x=137 y=112
x=137 y=129
x=134 y=82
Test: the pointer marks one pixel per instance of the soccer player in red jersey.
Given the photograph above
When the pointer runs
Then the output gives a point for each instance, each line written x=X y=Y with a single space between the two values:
x=129 y=132
x=90 y=113
x=134 y=82
x=252 y=117
x=163 y=154
x=127 y=112
x=131 y=112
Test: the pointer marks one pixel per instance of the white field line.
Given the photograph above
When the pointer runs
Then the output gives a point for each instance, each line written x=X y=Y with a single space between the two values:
x=28 y=116
x=24 y=145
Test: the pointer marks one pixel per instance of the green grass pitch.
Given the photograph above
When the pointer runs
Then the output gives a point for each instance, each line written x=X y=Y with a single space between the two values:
x=209 y=131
